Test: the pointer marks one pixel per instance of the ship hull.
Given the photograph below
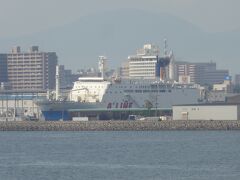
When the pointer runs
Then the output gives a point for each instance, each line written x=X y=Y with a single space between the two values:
x=56 y=115
x=65 y=105
x=59 y=110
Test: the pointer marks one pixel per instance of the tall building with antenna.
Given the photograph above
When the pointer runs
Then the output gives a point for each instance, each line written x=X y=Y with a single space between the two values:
x=149 y=64
x=143 y=64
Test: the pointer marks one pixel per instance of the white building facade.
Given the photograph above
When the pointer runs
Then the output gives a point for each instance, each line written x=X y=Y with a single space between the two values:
x=143 y=65
x=206 y=112
x=149 y=64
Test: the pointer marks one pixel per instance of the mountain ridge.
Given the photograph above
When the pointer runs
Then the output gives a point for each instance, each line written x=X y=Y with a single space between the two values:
x=117 y=34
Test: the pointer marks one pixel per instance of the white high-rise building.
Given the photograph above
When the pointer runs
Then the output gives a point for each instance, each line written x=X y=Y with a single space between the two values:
x=172 y=67
x=148 y=64
x=143 y=64
x=142 y=67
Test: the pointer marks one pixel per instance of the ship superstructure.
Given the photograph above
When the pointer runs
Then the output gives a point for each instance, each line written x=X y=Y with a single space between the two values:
x=89 y=89
x=134 y=93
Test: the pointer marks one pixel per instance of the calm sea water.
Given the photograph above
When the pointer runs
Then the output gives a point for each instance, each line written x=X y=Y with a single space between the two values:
x=166 y=155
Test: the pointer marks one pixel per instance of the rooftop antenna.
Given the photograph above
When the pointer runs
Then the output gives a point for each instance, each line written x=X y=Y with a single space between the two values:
x=165 y=47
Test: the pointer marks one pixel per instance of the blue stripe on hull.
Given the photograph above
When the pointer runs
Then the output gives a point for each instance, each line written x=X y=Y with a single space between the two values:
x=56 y=115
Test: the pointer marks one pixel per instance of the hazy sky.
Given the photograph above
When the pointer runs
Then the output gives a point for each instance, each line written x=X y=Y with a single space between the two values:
x=19 y=17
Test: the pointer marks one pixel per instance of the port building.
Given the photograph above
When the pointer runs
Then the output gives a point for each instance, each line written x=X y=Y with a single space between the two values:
x=19 y=105
x=214 y=111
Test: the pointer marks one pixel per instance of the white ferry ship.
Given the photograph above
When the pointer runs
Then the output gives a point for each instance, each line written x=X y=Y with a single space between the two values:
x=96 y=92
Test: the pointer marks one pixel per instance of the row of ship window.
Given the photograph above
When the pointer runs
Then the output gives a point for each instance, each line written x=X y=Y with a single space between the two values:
x=79 y=87
x=145 y=87
x=142 y=91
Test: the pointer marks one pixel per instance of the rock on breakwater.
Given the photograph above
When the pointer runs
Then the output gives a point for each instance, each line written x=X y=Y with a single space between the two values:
x=119 y=125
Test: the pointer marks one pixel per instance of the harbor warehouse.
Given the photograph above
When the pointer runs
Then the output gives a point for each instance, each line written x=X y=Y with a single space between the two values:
x=206 y=112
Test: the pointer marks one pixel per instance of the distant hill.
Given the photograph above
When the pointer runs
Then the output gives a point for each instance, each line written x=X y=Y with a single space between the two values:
x=118 y=34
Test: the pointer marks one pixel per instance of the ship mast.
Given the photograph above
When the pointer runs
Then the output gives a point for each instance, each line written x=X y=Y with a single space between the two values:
x=102 y=65
x=57 y=83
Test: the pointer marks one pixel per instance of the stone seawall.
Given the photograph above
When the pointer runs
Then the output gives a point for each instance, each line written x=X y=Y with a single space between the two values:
x=119 y=125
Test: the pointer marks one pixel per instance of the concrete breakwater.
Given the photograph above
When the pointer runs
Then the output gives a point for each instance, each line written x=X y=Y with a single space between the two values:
x=119 y=125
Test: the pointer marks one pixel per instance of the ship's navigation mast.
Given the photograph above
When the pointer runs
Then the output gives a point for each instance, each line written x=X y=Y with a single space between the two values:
x=102 y=65
x=57 y=83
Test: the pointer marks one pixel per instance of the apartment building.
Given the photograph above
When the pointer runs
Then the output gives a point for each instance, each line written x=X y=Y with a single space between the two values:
x=3 y=68
x=67 y=78
x=201 y=73
x=237 y=79
x=31 y=70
